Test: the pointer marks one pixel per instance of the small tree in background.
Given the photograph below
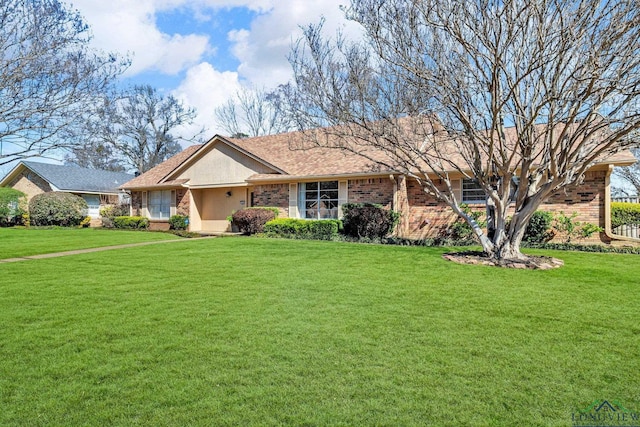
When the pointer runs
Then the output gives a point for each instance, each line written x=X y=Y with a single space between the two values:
x=13 y=205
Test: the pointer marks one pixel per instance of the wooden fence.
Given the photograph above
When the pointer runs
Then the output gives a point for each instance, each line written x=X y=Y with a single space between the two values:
x=627 y=230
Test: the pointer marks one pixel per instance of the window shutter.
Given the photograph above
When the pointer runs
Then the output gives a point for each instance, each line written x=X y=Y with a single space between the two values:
x=293 y=200
x=172 y=208
x=343 y=196
x=457 y=188
x=144 y=204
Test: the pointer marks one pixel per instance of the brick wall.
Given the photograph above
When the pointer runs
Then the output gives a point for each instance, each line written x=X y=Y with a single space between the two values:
x=182 y=202
x=30 y=184
x=372 y=190
x=429 y=218
x=273 y=195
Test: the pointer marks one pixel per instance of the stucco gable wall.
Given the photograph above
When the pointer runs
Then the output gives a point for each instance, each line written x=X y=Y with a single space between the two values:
x=222 y=165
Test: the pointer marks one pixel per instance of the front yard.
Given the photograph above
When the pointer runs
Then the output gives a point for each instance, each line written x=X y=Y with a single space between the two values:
x=247 y=331
x=20 y=242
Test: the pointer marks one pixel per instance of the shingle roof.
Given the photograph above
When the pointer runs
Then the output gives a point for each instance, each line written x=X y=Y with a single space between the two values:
x=156 y=175
x=280 y=150
x=73 y=178
x=290 y=154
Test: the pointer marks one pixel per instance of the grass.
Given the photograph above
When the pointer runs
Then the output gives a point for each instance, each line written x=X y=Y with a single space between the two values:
x=20 y=242
x=239 y=331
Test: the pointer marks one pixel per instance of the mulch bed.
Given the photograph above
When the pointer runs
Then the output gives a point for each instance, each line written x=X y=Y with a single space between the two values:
x=479 y=258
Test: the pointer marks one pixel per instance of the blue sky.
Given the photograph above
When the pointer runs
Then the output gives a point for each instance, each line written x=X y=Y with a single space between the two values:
x=203 y=51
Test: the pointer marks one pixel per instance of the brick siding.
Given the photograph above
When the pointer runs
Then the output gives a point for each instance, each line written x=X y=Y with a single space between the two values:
x=424 y=216
x=272 y=195
x=430 y=218
x=182 y=202
x=30 y=184
x=372 y=190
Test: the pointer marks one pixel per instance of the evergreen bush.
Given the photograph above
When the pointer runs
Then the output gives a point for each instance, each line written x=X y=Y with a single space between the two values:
x=539 y=228
x=131 y=222
x=319 y=229
x=623 y=213
x=368 y=220
x=178 y=222
x=56 y=208
x=13 y=204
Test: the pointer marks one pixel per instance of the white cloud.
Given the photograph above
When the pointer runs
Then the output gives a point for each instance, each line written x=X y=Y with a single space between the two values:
x=263 y=49
x=205 y=89
x=126 y=26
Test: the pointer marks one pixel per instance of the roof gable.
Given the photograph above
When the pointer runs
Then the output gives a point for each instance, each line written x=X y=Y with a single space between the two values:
x=220 y=162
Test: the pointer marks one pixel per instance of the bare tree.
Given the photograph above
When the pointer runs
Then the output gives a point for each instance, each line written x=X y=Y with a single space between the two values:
x=253 y=112
x=522 y=96
x=630 y=175
x=138 y=128
x=95 y=155
x=49 y=78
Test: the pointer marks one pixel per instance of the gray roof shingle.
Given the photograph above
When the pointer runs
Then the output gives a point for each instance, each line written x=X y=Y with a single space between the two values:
x=73 y=178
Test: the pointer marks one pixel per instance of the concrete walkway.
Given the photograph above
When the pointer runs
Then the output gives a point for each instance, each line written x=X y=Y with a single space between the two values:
x=89 y=250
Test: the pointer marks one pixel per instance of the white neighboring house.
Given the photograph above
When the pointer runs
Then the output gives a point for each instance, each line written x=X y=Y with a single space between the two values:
x=97 y=187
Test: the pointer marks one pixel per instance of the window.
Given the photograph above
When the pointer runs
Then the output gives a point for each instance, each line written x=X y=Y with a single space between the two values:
x=472 y=192
x=318 y=200
x=159 y=204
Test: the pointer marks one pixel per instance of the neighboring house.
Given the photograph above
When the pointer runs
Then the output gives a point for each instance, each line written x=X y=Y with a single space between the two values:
x=208 y=182
x=97 y=187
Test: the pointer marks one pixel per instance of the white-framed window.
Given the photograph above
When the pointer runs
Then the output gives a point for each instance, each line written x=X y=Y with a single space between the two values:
x=318 y=200
x=159 y=204
x=472 y=192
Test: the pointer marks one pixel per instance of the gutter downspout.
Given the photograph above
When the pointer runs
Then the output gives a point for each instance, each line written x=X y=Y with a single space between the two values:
x=607 y=211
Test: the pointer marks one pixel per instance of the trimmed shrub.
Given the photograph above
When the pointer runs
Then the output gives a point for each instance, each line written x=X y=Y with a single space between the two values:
x=86 y=222
x=108 y=213
x=112 y=211
x=131 y=222
x=623 y=213
x=63 y=209
x=317 y=229
x=252 y=220
x=368 y=220
x=539 y=228
x=13 y=204
x=178 y=222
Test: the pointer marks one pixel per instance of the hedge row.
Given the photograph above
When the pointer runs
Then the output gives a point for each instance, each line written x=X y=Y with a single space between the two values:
x=320 y=229
x=131 y=222
x=623 y=213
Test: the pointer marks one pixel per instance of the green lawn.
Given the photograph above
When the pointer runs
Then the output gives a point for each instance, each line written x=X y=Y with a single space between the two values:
x=20 y=242
x=240 y=331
